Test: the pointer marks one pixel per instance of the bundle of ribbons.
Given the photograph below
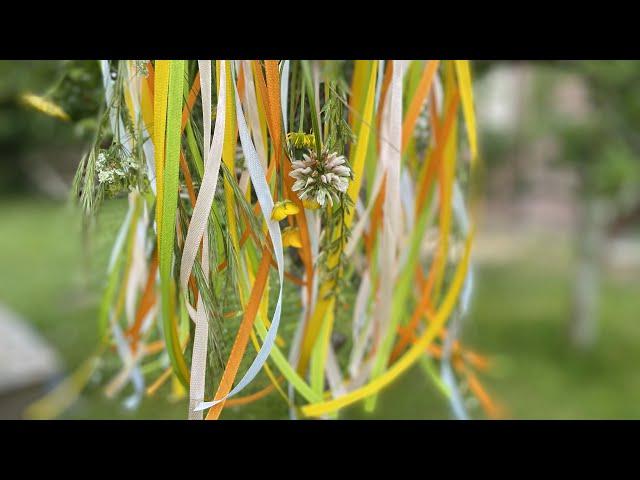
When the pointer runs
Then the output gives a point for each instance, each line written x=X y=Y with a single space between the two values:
x=297 y=229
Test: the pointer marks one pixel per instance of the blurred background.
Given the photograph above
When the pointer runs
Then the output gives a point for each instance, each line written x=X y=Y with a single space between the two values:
x=557 y=258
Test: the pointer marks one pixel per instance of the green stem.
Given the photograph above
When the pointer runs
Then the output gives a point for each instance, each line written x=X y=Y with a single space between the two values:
x=312 y=106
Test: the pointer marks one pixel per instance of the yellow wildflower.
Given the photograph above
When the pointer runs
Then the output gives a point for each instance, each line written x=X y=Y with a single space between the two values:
x=45 y=106
x=284 y=209
x=291 y=237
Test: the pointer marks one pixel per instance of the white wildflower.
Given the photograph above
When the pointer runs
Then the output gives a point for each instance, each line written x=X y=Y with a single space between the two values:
x=116 y=169
x=101 y=161
x=106 y=176
x=321 y=179
x=142 y=68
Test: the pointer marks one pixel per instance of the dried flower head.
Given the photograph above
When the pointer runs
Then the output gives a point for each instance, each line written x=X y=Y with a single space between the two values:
x=321 y=179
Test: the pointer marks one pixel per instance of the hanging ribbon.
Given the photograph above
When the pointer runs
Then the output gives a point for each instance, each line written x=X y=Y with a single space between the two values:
x=167 y=203
x=390 y=155
x=411 y=356
x=200 y=339
x=463 y=71
x=259 y=182
x=196 y=232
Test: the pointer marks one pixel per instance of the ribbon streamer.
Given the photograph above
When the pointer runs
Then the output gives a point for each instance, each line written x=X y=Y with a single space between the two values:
x=362 y=269
x=259 y=182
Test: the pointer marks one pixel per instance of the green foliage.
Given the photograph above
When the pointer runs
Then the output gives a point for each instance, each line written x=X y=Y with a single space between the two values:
x=74 y=85
x=619 y=169
x=339 y=132
x=78 y=90
x=607 y=145
x=603 y=144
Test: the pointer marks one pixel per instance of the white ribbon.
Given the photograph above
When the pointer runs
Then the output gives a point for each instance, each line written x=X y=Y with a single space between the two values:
x=252 y=112
x=390 y=158
x=212 y=152
x=200 y=216
x=284 y=93
x=408 y=197
x=259 y=181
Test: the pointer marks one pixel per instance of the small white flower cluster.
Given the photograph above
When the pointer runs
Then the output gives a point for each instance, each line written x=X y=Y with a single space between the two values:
x=105 y=174
x=142 y=67
x=321 y=179
x=113 y=168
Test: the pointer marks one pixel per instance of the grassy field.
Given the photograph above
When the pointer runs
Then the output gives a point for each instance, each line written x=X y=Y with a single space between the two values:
x=519 y=318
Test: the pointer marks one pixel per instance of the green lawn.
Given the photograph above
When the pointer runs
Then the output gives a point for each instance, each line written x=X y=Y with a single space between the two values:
x=519 y=316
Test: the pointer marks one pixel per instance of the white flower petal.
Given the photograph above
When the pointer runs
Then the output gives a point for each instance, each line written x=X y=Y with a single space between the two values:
x=297 y=164
x=342 y=171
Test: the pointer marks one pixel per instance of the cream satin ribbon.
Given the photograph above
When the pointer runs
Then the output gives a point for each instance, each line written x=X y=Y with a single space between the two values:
x=408 y=197
x=390 y=157
x=284 y=94
x=261 y=188
x=387 y=137
x=196 y=232
x=200 y=216
x=201 y=335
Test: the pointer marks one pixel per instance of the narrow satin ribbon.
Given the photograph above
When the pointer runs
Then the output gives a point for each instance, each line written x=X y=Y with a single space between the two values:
x=201 y=334
x=463 y=72
x=411 y=356
x=259 y=181
x=168 y=201
x=284 y=94
x=446 y=371
x=390 y=154
x=204 y=201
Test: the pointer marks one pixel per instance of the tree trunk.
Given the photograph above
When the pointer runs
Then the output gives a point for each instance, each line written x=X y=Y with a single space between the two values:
x=583 y=328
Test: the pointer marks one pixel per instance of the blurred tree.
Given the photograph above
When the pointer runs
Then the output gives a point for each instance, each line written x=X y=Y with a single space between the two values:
x=599 y=138
x=604 y=148
x=75 y=86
